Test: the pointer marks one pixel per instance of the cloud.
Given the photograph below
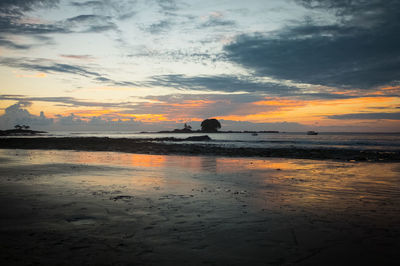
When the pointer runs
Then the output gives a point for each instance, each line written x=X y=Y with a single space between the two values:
x=16 y=114
x=10 y=25
x=251 y=84
x=367 y=116
x=173 y=107
x=354 y=10
x=121 y=9
x=12 y=17
x=88 y=4
x=198 y=106
x=85 y=18
x=159 y=27
x=18 y=7
x=68 y=101
x=14 y=21
x=9 y=44
x=217 y=21
x=79 y=57
x=348 y=53
x=90 y=23
x=180 y=55
x=116 y=82
x=49 y=66
x=181 y=97
x=167 y=5
x=225 y=83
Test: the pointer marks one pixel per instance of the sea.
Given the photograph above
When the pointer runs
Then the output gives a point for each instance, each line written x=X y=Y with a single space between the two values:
x=339 y=140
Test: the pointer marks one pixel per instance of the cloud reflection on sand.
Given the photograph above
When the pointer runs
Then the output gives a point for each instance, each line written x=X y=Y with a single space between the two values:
x=309 y=184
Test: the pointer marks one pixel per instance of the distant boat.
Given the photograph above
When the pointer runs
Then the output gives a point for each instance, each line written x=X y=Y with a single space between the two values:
x=312 y=133
x=254 y=134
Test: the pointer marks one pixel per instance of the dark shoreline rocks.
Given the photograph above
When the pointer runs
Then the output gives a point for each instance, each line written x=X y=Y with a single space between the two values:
x=155 y=146
x=199 y=131
x=194 y=138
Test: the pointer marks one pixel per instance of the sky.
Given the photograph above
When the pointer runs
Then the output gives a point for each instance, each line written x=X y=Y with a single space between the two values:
x=288 y=65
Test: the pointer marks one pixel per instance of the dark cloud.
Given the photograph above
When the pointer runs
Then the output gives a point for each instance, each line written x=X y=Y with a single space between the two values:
x=167 y=5
x=327 y=96
x=159 y=27
x=367 y=116
x=66 y=101
x=18 y=7
x=10 y=25
x=120 y=9
x=13 y=45
x=215 y=21
x=90 y=23
x=355 y=10
x=200 y=105
x=232 y=98
x=200 y=57
x=88 y=4
x=349 y=53
x=85 y=18
x=117 y=83
x=248 y=84
x=100 y=28
x=225 y=83
x=12 y=12
x=48 y=66
x=79 y=57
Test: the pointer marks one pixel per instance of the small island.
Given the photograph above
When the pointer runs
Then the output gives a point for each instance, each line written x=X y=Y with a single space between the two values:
x=210 y=125
x=20 y=130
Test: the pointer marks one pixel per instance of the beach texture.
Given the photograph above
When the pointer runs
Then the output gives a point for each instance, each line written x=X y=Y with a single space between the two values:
x=110 y=208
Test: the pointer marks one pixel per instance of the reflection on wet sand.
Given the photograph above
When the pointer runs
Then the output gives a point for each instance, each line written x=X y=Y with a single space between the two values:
x=298 y=183
x=231 y=210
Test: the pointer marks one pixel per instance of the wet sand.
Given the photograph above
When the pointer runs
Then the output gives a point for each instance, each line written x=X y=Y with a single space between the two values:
x=109 y=208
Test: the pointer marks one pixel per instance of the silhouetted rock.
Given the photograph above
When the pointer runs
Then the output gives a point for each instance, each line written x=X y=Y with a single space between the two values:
x=194 y=138
x=20 y=132
x=199 y=138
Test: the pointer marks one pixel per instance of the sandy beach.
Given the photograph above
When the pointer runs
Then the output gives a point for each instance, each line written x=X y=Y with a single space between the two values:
x=110 y=208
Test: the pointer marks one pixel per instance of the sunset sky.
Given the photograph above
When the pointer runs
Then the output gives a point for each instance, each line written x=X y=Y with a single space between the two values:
x=289 y=65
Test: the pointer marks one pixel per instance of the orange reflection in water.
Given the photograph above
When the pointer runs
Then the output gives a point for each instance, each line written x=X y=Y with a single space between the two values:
x=316 y=184
x=224 y=165
x=120 y=159
x=272 y=182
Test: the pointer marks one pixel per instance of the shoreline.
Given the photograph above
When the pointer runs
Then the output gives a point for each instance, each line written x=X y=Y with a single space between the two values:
x=146 y=146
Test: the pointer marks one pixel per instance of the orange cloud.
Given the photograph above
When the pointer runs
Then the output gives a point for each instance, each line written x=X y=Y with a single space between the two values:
x=279 y=102
x=309 y=112
x=192 y=103
x=149 y=118
x=270 y=109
